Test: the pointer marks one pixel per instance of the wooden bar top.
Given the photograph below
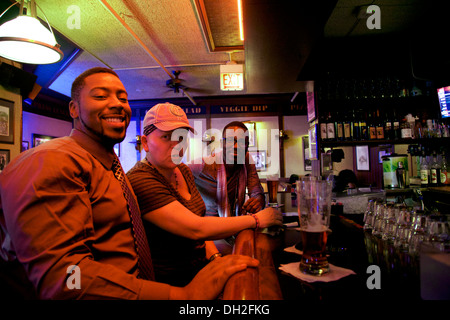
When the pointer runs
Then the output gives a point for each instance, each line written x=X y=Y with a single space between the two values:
x=254 y=283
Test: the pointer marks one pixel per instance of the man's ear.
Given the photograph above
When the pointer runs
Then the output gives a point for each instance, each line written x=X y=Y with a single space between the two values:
x=144 y=142
x=74 y=109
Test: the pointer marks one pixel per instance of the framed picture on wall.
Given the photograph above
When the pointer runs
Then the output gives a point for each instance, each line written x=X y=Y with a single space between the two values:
x=362 y=158
x=251 y=133
x=259 y=159
x=6 y=121
x=4 y=158
x=40 y=139
x=25 y=146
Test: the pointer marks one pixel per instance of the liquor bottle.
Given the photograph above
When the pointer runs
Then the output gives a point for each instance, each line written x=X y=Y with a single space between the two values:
x=418 y=130
x=435 y=171
x=413 y=150
x=371 y=123
x=347 y=128
x=363 y=126
x=339 y=126
x=379 y=126
x=395 y=127
x=445 y=174
x=331 y=130
x=424 y=170
x=418 y=160
x=405 y=129
x=388 y=127
x=356 y=132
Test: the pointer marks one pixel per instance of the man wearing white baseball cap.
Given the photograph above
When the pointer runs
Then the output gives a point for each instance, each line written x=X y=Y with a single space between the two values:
x=171 y=206
x=166 y=117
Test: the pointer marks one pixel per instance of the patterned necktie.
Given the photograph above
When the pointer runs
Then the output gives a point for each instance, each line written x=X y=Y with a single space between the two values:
x=145 y=261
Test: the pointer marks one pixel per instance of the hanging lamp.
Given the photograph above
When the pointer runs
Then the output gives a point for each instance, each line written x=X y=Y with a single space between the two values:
x=24 y=39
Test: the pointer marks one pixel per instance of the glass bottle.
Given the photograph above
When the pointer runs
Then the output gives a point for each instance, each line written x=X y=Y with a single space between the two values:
x=347 y=128
x=371 y=123
x=435 y=171
x=414 y=150
x=395 y=127
x=405 y=129
x=356 y=132
x=331 y=131
x=363 y=126
x=388 y=127
x=379 y=126
x=424 y=171
x=339 y=126
x=445 y=174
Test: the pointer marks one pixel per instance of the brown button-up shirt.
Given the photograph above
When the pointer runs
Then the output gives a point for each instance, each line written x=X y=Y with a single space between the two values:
x=61 y=207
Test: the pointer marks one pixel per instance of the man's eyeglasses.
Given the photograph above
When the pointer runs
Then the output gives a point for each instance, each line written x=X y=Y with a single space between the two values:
x=232 y=141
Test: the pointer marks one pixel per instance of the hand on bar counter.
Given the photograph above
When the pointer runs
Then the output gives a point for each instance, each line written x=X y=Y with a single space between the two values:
x=209 y=282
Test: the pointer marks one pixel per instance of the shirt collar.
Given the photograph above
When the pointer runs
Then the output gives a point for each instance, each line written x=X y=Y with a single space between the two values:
x=98 y=150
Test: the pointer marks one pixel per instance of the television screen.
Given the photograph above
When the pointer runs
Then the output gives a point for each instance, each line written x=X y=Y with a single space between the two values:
x=444 y=101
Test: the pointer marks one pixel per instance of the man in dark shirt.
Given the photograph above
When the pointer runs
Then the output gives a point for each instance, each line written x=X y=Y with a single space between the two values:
x=223 y=184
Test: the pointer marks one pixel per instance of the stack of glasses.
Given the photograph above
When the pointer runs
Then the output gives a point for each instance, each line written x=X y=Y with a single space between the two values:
x=406 y=228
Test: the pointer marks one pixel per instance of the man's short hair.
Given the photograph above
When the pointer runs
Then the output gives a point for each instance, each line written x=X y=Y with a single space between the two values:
x=78 y=83
x=235 y=124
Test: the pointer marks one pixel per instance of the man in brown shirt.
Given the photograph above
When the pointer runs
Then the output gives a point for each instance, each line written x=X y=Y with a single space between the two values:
x=63 y=211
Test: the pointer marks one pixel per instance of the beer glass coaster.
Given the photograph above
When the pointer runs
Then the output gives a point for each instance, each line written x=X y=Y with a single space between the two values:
x=291 y=225
x=334 y=274
x=293 y=249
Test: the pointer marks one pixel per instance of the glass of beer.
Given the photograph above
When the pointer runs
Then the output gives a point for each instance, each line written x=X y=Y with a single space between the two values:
x=314 y=206
x=272 y=188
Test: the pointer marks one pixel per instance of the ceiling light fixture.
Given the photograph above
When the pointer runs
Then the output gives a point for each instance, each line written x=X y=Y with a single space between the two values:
x=241 y=20
x=24 y=39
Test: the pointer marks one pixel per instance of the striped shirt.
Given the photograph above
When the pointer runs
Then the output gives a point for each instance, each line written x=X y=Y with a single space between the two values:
x=176 y=259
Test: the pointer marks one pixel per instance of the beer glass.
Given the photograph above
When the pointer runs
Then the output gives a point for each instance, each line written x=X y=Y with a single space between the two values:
x=389 y=225
x=404 y=225
x=369 y=215
x=314 y=206
x=272 y=188
x=419 y=232
x=377 y=229
x=439 y=234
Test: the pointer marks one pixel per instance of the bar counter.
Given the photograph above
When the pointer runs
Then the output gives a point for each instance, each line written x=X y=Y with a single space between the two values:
x=382 y=272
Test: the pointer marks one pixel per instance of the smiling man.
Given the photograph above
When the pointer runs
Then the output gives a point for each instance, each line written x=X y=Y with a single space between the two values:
x=93 y=92
x=64 y=219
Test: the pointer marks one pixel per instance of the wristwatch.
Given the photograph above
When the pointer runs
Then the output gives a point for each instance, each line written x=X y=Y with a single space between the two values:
x=215 y=255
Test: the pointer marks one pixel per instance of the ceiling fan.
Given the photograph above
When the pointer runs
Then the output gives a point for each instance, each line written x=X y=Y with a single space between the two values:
x=175 y=83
